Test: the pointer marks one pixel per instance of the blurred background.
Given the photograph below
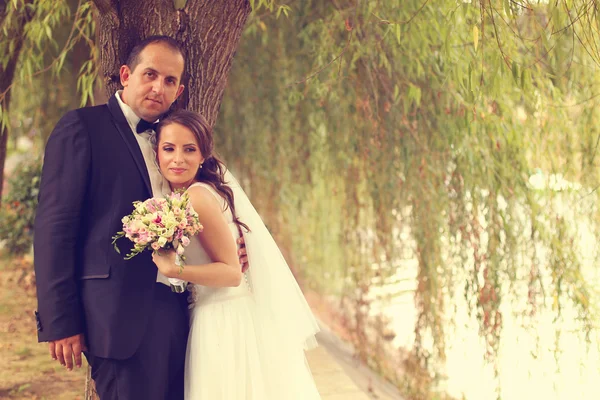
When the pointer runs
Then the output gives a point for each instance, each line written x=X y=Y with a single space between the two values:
x=429 y=169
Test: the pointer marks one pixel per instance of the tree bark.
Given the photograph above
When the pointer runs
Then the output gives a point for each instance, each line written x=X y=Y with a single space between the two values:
x=209 y=32
x=90 y=388
x=15 y=34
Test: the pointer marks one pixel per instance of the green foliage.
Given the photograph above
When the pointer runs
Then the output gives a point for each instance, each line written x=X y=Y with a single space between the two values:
x=18 y=208
x=259 y=4
x=53 y=31
x=372 y=133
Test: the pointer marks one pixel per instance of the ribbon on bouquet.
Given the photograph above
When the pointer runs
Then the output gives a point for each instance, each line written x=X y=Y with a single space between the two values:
x=178 y=285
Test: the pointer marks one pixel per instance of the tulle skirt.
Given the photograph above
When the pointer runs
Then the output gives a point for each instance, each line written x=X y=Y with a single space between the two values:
x=232 y=355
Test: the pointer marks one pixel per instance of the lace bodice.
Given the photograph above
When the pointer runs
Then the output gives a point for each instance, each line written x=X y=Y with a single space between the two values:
x=195 y=255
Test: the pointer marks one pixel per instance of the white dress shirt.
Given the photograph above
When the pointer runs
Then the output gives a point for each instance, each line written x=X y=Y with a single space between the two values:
x=160 y=186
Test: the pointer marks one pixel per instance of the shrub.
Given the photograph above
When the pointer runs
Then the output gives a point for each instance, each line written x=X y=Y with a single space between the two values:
x=18 y=208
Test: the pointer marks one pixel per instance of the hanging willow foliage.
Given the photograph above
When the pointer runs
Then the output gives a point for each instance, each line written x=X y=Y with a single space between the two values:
x=353 y=122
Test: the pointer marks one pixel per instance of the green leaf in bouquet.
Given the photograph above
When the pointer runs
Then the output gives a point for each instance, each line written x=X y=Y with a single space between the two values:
x=114 y=241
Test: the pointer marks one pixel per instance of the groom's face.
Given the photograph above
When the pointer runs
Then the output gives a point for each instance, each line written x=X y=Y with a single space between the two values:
x=154 y=83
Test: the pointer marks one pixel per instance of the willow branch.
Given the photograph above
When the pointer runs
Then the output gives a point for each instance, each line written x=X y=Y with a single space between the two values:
x=325 y=66
x=68 y=45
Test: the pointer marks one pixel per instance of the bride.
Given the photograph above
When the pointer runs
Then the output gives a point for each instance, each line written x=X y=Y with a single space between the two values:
x=248 y=330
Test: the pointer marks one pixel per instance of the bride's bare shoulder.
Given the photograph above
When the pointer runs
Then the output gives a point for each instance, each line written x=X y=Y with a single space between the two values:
x=203 y=200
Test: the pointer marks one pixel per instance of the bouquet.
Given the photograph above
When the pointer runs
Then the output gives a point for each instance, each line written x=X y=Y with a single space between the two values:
x=161 y=223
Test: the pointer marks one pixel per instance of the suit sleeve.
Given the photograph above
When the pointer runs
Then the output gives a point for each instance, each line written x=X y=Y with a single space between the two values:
x=63 y=187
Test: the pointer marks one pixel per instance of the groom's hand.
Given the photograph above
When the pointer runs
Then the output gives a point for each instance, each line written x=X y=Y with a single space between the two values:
x=64 y=350
x=242 y=254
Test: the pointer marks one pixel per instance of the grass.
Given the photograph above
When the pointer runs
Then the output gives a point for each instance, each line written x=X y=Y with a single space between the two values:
x=26 y=370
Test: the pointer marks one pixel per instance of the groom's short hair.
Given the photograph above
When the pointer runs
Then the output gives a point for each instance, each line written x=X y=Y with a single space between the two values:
x=134 y=56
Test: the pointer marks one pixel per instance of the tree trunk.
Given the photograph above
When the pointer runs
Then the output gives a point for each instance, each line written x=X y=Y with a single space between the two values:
x=209 y=32
x=90 y=388
x=14 y=34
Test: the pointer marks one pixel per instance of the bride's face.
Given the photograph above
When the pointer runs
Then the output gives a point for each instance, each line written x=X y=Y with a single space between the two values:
x=179 y=156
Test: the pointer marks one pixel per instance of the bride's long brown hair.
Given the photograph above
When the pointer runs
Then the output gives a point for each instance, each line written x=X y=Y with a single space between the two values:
x=213 y=169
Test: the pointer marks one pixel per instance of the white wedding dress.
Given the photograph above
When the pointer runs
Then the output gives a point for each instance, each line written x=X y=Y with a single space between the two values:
x=234 y=352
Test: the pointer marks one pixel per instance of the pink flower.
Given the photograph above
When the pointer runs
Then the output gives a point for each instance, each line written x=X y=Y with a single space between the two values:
x=185 y=241
x=143 y=238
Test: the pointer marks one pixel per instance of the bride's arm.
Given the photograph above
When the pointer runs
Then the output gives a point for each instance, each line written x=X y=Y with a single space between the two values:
x=225 y=270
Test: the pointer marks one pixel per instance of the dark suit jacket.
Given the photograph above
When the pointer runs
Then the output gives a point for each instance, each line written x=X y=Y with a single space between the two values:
x=93 y=171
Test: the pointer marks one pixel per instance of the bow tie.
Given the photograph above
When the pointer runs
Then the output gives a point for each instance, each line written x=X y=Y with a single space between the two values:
x=144 y=126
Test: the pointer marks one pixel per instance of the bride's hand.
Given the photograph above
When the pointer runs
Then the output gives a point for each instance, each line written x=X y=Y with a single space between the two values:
x=165 y=261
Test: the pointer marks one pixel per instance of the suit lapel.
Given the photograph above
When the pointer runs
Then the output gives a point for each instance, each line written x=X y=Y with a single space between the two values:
x=127 y=135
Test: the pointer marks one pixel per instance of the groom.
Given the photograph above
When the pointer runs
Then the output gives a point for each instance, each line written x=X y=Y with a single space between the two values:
x=121 y=314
